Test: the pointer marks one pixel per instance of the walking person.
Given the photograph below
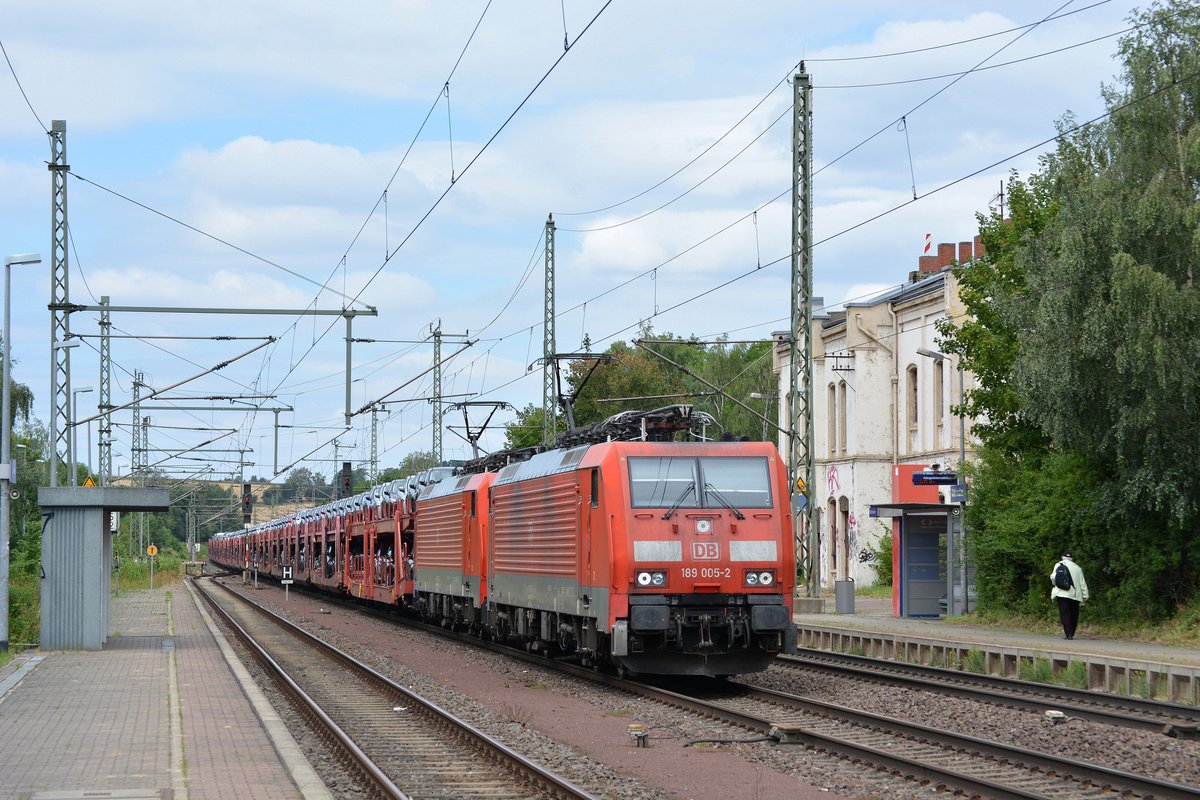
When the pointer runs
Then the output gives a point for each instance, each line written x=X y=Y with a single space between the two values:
x=1069 y=592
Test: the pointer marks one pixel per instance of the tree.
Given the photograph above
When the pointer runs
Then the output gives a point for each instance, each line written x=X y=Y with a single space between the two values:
x=416 y=461
x=526 y=429
x=987 y=338
x=1085 y=338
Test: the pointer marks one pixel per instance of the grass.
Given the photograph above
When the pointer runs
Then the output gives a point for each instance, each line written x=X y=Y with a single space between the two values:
x=975 y=662
x=1181 y=631
x=876 y=591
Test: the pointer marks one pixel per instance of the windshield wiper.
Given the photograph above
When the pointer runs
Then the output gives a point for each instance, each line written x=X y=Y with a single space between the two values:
x=691 y=487
x=708 y=487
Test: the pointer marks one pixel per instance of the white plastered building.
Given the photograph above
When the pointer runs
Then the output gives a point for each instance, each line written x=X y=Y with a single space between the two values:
x=881 y=397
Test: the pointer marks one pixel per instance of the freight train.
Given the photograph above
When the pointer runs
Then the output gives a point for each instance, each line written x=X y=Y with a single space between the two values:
x=652 y=557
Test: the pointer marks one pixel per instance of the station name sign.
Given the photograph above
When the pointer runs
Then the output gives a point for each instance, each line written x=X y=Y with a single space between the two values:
x=931 y=478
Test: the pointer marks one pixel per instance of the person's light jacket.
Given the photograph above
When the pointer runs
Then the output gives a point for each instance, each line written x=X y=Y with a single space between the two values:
x=1078 y=590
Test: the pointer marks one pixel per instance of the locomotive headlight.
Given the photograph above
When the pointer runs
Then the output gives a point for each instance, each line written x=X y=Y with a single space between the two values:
x=652 y=578
x=760 y=578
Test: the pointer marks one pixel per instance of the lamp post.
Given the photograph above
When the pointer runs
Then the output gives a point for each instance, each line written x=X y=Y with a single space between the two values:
x=766 y=398
x=6 y=467
x=962 y=399
x=75 y=432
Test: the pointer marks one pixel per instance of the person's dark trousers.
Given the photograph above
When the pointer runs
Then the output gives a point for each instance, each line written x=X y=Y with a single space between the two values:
x=1068 y=613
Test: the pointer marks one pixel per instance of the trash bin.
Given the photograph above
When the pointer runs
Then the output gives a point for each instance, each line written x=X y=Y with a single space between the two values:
x=843 y=601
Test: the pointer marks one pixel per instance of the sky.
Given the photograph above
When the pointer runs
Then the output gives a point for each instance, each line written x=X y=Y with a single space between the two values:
x=404 y=156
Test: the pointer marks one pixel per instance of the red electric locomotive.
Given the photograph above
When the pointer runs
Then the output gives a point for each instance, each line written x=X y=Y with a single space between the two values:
x=660 y=557
x=450 y=550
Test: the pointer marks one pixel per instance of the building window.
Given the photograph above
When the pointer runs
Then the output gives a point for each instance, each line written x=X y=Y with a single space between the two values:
x=842 y=417
x=912 y=407
x=939 y=396
x=832 y=414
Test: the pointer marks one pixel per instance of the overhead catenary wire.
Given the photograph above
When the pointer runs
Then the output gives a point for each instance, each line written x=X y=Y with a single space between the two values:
x=1058 y=136
x=486 y=145
x=1024 y=28
x=843 y=155
x=17 y=80
x=956 y=43
x=584 y=305
x=935 y=190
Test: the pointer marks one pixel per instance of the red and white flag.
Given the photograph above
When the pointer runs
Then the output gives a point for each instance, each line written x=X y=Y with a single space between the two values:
x=928 y=242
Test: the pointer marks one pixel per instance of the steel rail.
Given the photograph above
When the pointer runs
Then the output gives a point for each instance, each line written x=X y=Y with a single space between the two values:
x=1172 y=719
x=530 y=770
x=330 y=729
x=1088 y=774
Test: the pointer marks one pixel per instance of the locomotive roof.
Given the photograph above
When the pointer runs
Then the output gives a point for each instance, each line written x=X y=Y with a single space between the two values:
x=550 y=462
x=455 y=484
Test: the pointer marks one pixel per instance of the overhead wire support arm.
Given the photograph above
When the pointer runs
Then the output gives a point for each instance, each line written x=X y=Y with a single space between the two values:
x=369 y=311
x=567 y=401
x=368 y=406
x=157 y=392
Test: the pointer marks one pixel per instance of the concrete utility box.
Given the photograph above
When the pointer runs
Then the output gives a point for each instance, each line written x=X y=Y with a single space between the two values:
x=77 y=558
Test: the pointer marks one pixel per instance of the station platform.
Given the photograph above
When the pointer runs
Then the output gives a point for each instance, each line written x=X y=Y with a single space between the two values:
x=1113 y=665
x=164 y=710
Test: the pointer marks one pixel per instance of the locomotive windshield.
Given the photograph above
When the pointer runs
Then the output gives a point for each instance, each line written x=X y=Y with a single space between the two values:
x=710 y=482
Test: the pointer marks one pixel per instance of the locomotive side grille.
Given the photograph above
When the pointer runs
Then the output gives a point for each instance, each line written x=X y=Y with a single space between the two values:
x=536 y=538
x=439 y=537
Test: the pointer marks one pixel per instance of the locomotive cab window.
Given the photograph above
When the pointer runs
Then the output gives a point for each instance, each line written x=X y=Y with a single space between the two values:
x=744 y=482
x=659 y=482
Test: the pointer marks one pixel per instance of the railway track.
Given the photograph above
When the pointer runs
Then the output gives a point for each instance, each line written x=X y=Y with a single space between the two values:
x=929 y=756
x=1171 y=719
x=400 y=745
x=948 y=761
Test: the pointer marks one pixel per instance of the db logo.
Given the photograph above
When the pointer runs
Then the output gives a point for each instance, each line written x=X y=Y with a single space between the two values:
x=706 y=551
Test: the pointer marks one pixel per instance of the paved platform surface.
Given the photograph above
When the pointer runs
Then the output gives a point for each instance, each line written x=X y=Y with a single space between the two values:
x=159 y=712
x=875 y=615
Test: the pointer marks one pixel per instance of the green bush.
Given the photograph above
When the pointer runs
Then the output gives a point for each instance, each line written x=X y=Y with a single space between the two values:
x=24 y=612
x=881 y=559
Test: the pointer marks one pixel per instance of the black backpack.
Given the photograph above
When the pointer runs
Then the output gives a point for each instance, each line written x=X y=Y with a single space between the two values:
x=1062 y=577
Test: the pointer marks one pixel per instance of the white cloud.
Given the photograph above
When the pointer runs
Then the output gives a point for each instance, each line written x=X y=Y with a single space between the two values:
x=275 y=127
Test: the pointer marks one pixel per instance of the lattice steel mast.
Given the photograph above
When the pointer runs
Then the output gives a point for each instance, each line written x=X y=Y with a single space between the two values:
x=105 y=393
x=800 y=377
x=549 y=393
x=60 y=324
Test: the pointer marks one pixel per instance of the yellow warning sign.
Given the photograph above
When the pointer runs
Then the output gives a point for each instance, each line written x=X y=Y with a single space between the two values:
x=800 y=487
x=89 y=482
x=151 y=551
